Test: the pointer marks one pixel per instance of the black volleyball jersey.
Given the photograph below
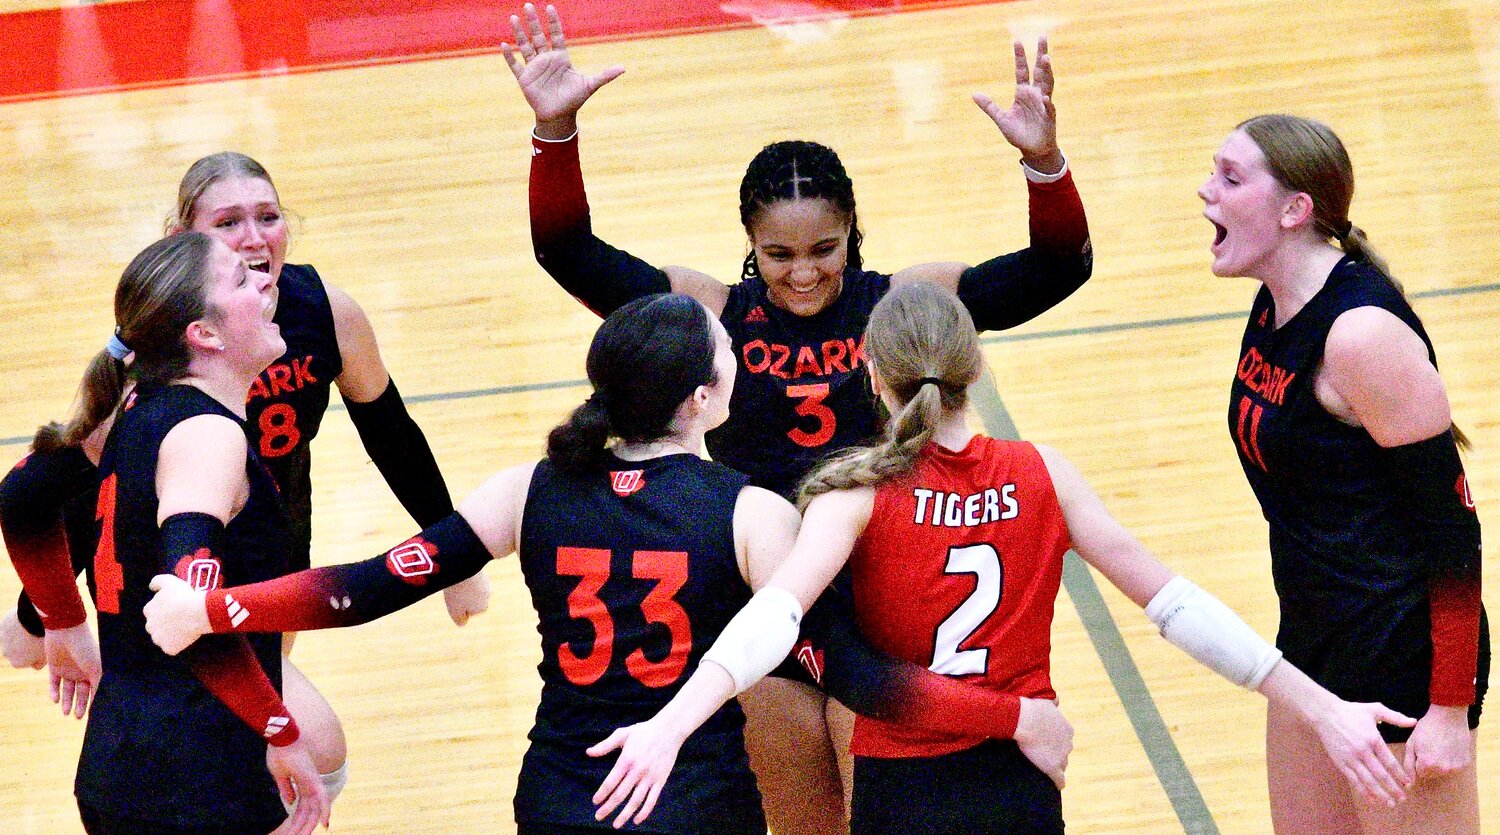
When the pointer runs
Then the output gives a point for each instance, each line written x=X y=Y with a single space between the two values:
x=802 y=390
x=633 y=574
x=286 y=404
x=159 y=746
x=1346 y=558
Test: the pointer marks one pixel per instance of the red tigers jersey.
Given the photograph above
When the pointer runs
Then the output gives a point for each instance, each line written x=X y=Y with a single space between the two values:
x=958 y=570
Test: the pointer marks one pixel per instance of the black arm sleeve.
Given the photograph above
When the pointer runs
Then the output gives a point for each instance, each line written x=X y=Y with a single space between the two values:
x=401 y=453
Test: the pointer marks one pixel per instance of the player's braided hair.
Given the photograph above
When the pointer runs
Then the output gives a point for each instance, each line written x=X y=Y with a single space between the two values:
x=646 y=359
x=161 y=292
x=793 y=170
x=922 y=345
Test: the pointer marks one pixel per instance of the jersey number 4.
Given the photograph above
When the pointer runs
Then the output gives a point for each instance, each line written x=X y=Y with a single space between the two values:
x=983 y=561
x=109 y=577
x=670 y=570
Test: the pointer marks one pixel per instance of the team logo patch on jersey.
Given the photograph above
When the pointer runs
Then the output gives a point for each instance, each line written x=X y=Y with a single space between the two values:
x=756 y=314
x=811 y=660
x=1462 y=486
x=1262 y=322
x=412 y=561
x=201 y=569
x=626 y=482
x=130 y=400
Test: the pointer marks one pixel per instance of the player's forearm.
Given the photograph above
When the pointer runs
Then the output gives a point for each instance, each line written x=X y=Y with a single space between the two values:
x=335 y=596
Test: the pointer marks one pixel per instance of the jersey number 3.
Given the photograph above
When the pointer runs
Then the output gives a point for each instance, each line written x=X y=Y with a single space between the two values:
x=670 y=570
x=983 y=561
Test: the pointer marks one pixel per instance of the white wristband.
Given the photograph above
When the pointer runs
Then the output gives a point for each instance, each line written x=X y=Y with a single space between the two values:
x=758 y=638
x=1201 y=626
x=1036 y=176
x=570 y=137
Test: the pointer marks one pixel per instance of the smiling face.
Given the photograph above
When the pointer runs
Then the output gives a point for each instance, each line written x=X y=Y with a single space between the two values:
x=245 y=214
x=1247 y=206
x=801 y=247
x=240 y=303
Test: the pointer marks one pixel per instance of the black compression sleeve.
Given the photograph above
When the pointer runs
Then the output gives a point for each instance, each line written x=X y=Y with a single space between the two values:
x=1013 y=289
x=401 y=453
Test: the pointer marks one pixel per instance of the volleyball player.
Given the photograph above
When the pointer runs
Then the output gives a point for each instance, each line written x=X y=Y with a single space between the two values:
x=956 y=542
x=1344 y=431
x=796 y=318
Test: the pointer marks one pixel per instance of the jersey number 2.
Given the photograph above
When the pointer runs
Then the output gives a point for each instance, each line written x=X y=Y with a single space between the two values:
x=670 y=570
x=983 y=561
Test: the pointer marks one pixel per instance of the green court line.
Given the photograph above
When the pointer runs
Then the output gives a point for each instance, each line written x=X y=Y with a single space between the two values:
x=1150 y=728
x=993 y=339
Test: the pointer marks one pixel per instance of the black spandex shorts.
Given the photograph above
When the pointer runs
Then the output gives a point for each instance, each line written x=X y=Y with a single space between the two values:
x=98 y=823
x=990 y=789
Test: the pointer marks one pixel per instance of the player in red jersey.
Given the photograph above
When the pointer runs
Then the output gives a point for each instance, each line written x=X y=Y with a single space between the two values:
x=956 y=542
x=635 y=555
x=796 y=316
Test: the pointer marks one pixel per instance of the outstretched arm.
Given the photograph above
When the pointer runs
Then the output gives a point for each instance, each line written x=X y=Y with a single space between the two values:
x=562 y=236
x=1011 y=289
x=1200 y=625
x=486 y=526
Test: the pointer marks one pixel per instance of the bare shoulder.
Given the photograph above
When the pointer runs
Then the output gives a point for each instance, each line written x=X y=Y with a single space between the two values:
x=944 y=273
x=713 y=293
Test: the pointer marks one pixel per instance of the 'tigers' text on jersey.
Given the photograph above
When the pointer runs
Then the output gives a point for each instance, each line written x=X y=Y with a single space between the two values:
x=954 y=510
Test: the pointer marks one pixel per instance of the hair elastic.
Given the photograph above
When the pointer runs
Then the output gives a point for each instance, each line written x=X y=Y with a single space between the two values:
x=922 y=381
x=116 y=346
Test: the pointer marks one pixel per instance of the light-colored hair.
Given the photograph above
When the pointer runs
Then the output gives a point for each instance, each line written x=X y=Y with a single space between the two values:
x=204 y=173
x=1305 y=155
x=163 y=290
x=921 y=342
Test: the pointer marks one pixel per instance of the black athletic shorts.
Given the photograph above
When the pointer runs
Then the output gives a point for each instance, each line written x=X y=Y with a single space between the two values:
x=98 y=823
x=990 y=789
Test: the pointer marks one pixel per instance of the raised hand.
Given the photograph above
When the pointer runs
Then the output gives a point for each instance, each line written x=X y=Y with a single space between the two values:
x=176 y=615
x=647 y=753
x=552 y=86
x=1045 y=736
x=1031 y=122
x=74 y=667
x=21 y=648
x=1348 y=732
x=467 y=599
x=301 y=788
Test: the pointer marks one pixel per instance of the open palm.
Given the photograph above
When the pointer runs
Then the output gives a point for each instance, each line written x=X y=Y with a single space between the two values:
x=1030 y=123
x=539 y=60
